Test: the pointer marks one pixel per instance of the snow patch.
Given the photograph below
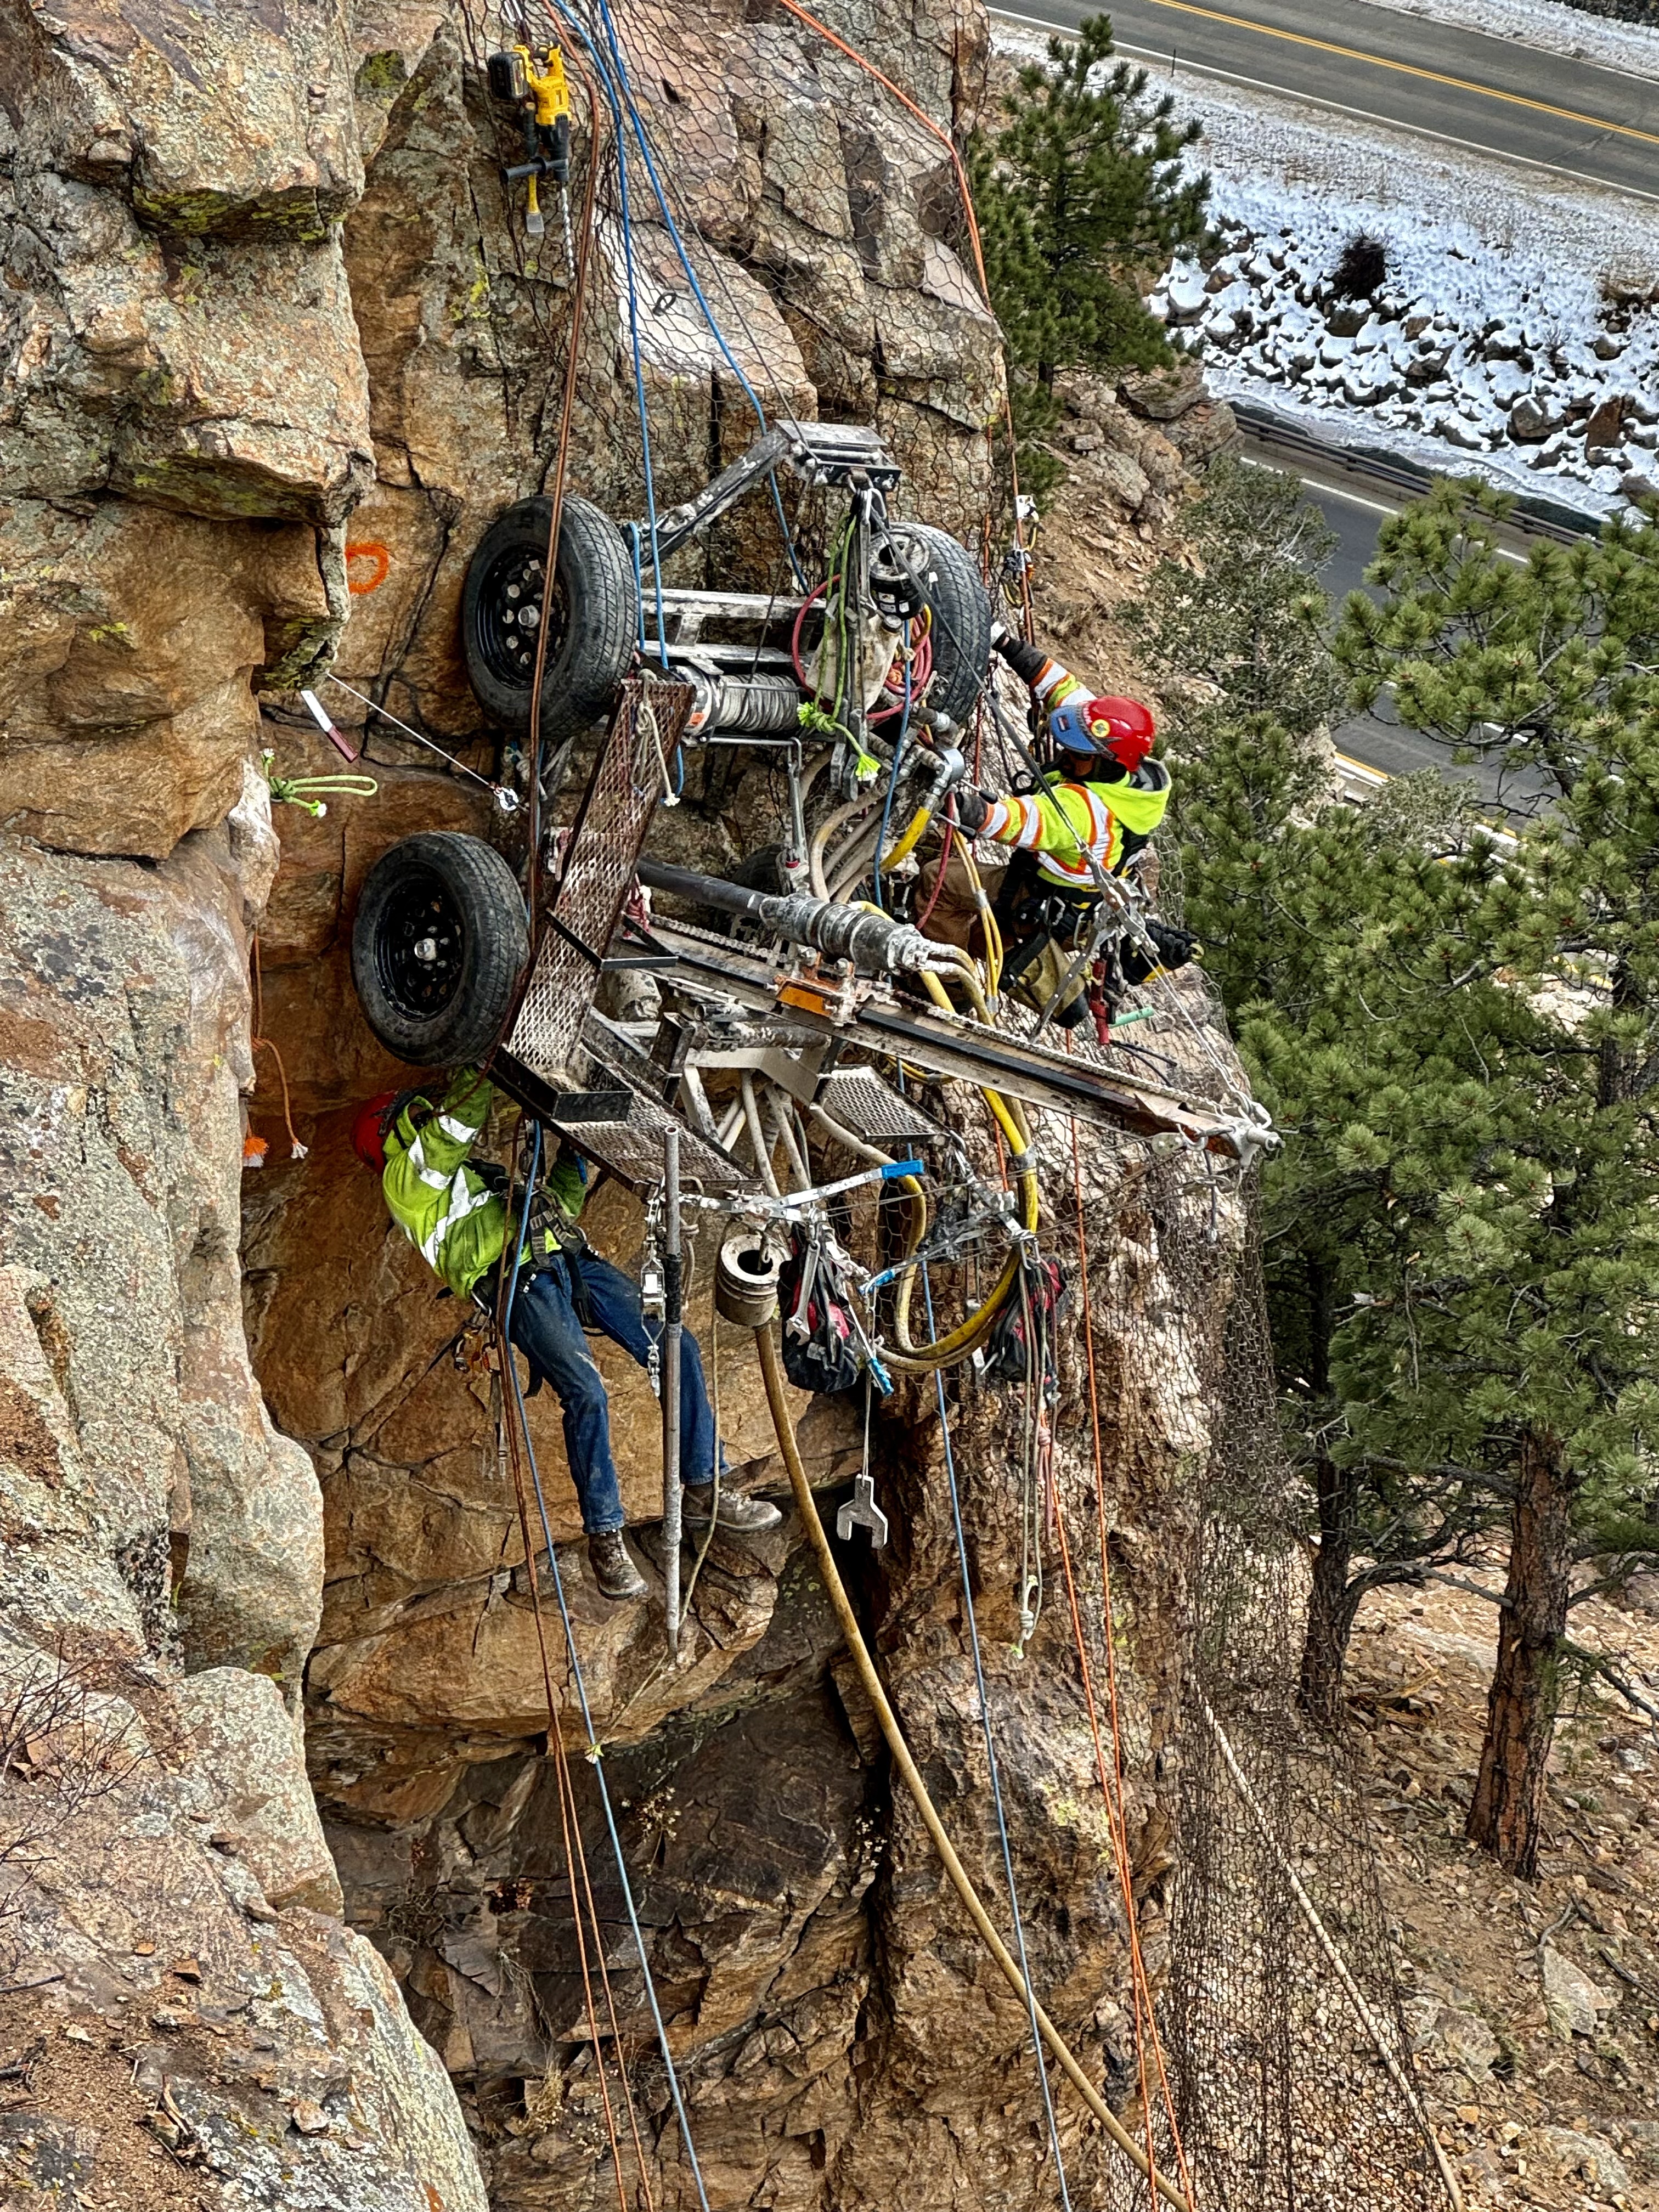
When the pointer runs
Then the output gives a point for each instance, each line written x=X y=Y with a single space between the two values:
x=1550 y=25
x=1514 y=309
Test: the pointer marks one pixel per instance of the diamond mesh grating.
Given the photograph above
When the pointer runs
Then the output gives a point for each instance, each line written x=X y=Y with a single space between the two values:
x=859 y=1099
x=605 y=841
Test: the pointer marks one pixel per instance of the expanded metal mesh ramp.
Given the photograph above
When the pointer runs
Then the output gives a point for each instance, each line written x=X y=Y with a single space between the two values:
x=606 y=839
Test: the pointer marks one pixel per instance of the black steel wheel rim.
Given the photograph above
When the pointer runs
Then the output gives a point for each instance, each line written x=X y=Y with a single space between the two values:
x=420 y=947
x=508 y=616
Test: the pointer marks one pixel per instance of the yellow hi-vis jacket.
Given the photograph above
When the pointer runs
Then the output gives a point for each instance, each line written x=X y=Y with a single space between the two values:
x=446 y=1209
x=1070 y=824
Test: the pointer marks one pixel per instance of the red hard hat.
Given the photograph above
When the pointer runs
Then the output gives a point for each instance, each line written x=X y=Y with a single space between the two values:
x=1123 y=727
x=368 y=1130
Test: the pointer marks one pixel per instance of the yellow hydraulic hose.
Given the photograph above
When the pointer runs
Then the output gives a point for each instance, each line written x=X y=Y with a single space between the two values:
x=965 y=1338
x=772 y=1371
x=910 y=838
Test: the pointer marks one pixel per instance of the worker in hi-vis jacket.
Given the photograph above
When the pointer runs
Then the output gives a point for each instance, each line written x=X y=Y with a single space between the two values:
x=1089 y=820
x=453 y=1209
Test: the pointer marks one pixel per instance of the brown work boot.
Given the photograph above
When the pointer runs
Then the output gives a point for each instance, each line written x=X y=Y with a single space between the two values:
x=743 y=1516
x=613 y=1570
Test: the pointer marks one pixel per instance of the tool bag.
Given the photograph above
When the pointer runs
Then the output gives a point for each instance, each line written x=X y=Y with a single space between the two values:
x=1020 y=1347
x=823 y=1344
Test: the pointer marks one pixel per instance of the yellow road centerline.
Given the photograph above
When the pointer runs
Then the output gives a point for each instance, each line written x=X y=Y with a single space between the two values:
x=1407 y=69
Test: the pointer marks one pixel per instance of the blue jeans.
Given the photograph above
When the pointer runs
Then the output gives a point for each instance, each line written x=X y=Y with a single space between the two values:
x=547 y=1330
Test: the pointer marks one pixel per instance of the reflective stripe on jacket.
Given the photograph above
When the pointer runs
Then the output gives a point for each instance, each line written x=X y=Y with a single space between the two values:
x=1070 y=824
x=444 y=1208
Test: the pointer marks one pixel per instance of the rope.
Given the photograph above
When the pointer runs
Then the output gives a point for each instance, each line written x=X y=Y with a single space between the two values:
x=991 y=1757
x=506 y=1286
x=595 y=1755
x=504 y=1356
x=556 y=513
x=966 y=193
x=624 y=92
x=1113 y=1792
x=296 y=1150
x=620 y=143
x=772 y=1372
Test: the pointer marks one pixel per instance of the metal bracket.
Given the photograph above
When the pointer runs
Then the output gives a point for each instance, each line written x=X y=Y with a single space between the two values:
x=861 y=1511
x=544 y=1102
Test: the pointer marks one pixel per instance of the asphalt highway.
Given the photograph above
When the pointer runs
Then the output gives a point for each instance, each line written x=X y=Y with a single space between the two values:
x=1378 y=740
x=1461 y=87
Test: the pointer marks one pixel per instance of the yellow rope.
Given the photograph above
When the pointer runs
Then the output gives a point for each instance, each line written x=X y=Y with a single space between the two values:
x=772 y=1371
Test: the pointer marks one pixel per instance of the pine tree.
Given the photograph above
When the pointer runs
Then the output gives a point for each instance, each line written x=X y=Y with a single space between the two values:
x=1518 y=1341
x=1459 y=1043
x=1081 y=192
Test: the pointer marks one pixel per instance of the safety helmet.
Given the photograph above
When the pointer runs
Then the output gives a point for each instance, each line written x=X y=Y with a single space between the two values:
x=368 y=1130
x=1121 y=728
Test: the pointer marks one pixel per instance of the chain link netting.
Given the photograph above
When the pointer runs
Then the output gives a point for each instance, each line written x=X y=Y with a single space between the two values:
x=1293 y=2068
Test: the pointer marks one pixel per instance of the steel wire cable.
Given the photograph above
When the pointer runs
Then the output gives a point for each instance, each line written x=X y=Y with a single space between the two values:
x=595 y=1750
x=990 y=1758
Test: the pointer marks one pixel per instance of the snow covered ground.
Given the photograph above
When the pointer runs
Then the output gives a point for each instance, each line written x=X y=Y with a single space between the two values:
x=1549 y=24
x=1517 y=328
x=1516 y=334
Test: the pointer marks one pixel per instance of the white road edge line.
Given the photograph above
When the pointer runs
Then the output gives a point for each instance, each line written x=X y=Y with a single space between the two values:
x=1335 y=107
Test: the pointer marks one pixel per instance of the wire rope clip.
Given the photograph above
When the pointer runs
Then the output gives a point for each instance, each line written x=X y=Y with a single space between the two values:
x=861 y=1511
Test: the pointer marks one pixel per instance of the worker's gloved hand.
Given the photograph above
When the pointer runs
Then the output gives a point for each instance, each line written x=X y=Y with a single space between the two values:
x=971 y=810
x=1174 y=948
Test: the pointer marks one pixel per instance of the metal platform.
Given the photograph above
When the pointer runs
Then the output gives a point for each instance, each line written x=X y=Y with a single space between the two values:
x=948 y=1045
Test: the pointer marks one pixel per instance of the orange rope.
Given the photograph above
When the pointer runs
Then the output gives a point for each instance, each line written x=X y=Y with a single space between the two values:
x=949 y=144
x=258 y=1043
x=1143 y=1991
x=504 y=1352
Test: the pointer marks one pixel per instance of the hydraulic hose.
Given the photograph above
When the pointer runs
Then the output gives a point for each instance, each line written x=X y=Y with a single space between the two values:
x=772 y=1371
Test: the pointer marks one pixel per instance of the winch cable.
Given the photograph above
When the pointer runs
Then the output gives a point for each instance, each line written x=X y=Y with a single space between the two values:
x=507 y=1445
x=595 y=1755
x=966 y=193
x=625 y=93
x=555 y=492
x=777 y=1400
x=991 y=1761
x=520 y=1432
x=1114 y=1791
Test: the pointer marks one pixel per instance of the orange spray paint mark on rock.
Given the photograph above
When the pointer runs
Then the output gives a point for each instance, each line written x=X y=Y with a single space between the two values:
x=369 y=549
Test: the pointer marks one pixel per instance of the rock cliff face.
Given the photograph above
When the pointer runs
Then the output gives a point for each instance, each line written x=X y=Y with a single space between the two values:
x=276 y=351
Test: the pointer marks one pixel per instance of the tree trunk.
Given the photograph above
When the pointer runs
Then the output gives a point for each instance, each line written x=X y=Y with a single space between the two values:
x=1508 y=1809
x=1331 y=1606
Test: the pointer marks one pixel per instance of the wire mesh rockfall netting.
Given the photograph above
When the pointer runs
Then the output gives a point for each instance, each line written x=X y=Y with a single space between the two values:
x=1294 y=2075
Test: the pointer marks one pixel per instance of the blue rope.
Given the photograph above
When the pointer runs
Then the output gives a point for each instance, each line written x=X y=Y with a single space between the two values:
x=626 y=92
x=594 y=1752
x=892 y=780
x=620 y=136
x=991 y=1755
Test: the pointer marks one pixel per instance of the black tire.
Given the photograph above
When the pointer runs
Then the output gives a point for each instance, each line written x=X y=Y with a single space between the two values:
x=594 y=613
x=962 y=616
x=442 y=1006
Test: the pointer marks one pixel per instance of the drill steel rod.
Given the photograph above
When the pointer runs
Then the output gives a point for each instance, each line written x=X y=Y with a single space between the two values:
x=673 y=1284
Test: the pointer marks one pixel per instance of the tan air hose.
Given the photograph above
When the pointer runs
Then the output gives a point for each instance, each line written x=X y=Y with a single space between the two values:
x=772 y=1369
